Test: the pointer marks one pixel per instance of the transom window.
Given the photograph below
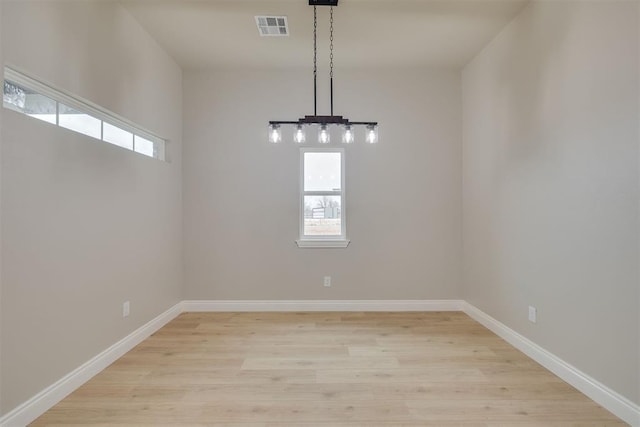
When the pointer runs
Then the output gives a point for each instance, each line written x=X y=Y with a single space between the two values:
x=322 y=213
x=29 y=96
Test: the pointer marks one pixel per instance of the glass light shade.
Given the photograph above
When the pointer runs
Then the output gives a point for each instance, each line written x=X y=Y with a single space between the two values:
x=372 y=134
x=348 y=137
x=299 y=135
x=323 y=135
x=275 y=134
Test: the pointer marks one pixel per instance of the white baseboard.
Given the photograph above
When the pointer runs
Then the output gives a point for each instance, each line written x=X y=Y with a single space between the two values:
x=598 y=392
x=47 y=398
x=323 y=305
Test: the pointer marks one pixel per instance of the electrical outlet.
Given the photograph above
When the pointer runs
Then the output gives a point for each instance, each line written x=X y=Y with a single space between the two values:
x=533 y=314
x=125 y=308
x=327 y=281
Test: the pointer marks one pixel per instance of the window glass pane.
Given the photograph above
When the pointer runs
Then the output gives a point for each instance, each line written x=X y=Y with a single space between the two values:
x=13 y=96
x=78 y=121
x=26 y=101
x=322 y=216
x=322 y=171
x=144 y=146
x=117 y=136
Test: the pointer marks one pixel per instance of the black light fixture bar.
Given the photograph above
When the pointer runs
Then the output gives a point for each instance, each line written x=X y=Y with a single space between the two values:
x=323 y=2
x=321 y=120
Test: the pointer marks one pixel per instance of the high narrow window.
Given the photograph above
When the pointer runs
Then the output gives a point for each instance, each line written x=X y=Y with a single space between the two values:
x=322 y=207
x=29 y=96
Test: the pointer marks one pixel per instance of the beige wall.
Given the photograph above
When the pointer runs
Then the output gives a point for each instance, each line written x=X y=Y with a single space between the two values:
x=241 y=193
x=85 y=225
x=551 y=184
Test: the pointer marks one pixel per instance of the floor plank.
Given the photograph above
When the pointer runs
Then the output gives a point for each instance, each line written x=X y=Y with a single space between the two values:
x=326 y=369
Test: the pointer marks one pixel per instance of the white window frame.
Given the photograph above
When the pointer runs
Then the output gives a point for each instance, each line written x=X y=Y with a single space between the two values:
x=60 y=96
x=340 y=241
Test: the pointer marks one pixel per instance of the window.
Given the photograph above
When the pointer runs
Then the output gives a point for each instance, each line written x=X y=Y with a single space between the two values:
x=322 y=218
x=29 y=96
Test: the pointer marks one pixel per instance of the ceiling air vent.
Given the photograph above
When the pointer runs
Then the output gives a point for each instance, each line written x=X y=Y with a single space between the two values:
x=272 y=25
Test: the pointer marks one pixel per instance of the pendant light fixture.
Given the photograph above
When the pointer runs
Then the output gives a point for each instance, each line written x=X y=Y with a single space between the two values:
x=323 y=123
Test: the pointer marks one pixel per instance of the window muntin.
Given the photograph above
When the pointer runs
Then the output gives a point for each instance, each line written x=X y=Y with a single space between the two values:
x=322 y=195
x=29 y=96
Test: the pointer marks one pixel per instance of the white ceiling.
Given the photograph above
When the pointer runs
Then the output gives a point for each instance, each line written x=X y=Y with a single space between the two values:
x=204 y=34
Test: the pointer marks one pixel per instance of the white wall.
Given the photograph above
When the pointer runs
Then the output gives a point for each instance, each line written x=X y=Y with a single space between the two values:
x=85 y=225
x=551 y=184
x=241 y=193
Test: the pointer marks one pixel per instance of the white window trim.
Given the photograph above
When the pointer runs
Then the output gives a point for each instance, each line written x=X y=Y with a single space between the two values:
x=21 y=78
x=323 y=244
x=340 y=241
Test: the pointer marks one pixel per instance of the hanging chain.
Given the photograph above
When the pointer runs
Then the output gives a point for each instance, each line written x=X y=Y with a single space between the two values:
x=331 y=42
x=315 y=42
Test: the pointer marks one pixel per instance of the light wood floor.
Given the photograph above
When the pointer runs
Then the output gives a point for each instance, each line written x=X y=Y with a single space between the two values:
x=326 y=369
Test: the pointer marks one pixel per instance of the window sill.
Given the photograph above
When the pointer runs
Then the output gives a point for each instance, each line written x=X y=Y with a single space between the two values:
x=322 y=244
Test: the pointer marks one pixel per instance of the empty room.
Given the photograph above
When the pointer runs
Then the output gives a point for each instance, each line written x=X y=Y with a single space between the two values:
x=253 y=213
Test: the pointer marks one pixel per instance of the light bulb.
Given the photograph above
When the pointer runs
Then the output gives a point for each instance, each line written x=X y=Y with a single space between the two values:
x=275 y=134
x=348 y=136
x=299 y=135
x=372 y=134
x=323 y=135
